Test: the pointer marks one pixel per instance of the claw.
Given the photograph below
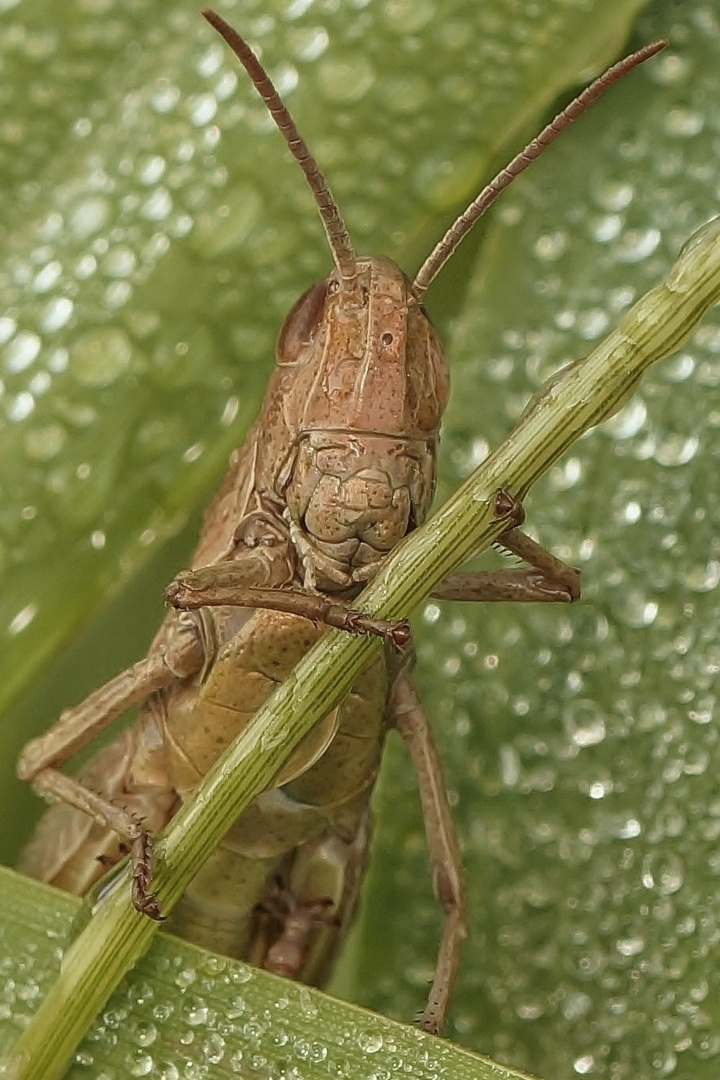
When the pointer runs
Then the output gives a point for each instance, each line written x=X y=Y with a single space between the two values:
x=144 y=901
x=509 y=509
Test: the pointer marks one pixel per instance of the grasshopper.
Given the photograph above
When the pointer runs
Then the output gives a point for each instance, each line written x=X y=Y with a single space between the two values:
x=338 y=468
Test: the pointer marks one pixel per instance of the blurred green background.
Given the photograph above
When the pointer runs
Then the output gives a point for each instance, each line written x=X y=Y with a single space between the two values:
x=155 y=233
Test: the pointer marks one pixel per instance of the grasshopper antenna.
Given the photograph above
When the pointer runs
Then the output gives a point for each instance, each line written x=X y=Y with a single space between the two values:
x=343 y=252
x=463 y=224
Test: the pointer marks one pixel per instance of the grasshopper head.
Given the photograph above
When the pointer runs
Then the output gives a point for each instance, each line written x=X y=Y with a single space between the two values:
x=357 y=399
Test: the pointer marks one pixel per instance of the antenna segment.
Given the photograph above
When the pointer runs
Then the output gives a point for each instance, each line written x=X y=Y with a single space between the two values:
x=341 y=246
x=461 y=227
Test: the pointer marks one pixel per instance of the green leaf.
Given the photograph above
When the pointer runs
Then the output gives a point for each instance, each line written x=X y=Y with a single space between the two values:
x=183 y=1012
x=580 y=781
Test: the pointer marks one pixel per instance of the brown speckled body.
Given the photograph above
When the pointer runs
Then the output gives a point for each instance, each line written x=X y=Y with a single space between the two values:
x=337 y=469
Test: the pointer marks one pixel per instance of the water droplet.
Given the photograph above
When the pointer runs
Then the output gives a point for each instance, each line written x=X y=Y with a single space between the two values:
x=8 y=327
x=140 y=1064
x=669 y=69
x=114 y=1018
x=676 y=449
x=317 y=1053
x=631 y=945
x=678 y=368
x=584 y=722
x=227 y=228
x=684 y=123
x=635 y=245
x=241 y=974
x=370 y=1041
x=213 y=1048
x=510 y=766
x=663 y=873
x=193 y=453
x=167 y=1070
x=307 y=1005
x=158 y=206
x=550 y=246
x=89 y=217
x=101 y=356
x=605 y=229
x=85 y=267
x=119 y=262
x=705 y=577
x=48 y=276
x=165 y=97
x=344 y=79
x=407 y=94
x=631 y=512
x=601 y=788
x=443 y=178
x=309 y=43
x=56 y=314
x=592 y=324
x=613 y=195
x=144 y=1034
x=20 y=407
x=43 y=443
x=629 y=421
x=185 y=978
x=635 y=609
x=629 y=829
x=21 y=351
x=39 y=383
x=151 y=169
x=202 y=109
x=196 y=1012
x=408 y=16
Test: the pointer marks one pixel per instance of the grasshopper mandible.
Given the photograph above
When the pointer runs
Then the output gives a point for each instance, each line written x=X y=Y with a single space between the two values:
x=338 y=468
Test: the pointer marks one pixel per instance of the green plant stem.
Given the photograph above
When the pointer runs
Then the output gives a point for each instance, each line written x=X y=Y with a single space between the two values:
x=575 y=401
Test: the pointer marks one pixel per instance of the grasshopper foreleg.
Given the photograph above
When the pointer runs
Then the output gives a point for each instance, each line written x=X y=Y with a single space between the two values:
x=226 y=584
x=410 y=721
x=547 y=580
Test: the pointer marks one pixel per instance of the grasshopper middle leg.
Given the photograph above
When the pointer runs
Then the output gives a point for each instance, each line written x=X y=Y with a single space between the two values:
x=546 y=580
x=447 y=876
